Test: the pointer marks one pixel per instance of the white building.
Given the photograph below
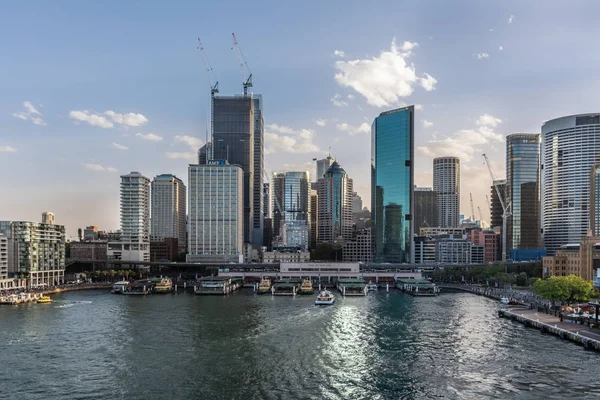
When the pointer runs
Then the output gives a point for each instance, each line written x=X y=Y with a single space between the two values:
x=48 y=217
x=453 y=251
x=215 y=224
x=168 y=209
x=446 y=182
x=135 y=220
x=3 y=257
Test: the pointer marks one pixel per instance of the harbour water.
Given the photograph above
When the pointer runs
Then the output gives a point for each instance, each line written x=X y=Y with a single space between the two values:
x=92 y=345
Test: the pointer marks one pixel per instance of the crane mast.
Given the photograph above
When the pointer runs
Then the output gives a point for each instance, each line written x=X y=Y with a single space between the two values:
x=506 y=209
x=480 y=215
x=472 y=208
x=246 y=82
x=213 y=88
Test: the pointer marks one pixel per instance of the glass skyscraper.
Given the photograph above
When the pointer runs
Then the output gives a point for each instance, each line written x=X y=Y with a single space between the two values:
x=392 y=185
x=523 y=178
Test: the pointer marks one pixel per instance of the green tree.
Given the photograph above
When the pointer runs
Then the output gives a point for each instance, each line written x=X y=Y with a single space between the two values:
x=522 y=279
x=564 y=288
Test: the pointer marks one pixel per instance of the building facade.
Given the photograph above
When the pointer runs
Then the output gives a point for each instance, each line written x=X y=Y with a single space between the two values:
x=392 y=185
x=322 y=167
x=258 y=216
x=91 y=233
x=595 y=200
x=3 y=257
x=446 y=183
x=334 y=192
x=496 y=210
x=570 y=147
x=205 y=153
x=359 y=248
x=357 y=203
x=277 y=192
x=314 y=219
x=266 y=200
x=453 y=251
x=216 y=212
x=426 y=208
x=233 y=140
x=168 y=209
x=89 y=251
x=48 y=218
x=523 y=174
x=489 y=240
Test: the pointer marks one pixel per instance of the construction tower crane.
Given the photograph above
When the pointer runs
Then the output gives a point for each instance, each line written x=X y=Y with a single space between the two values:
x=242 y=61
x=209 y=71
x=506 y=208
x=472 y=208
x=480 y=215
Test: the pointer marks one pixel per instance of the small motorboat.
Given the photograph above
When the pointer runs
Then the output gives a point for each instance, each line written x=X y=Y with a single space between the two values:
x=505 y=300
x=372 y=287
x=44 y=300
x=325 y=298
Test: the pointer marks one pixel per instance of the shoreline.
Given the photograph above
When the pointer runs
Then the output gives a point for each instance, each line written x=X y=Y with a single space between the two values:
x=75 y=288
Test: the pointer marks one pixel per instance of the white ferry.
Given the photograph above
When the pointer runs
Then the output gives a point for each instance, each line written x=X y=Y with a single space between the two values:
x=119 y=287
x=325 y=298
x=372 y=287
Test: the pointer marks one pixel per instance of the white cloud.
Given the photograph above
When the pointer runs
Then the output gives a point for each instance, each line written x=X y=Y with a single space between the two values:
x=99 y=168
x=510 y=19
x=119 y=146
x=383 y=80
x=321 y=122
x=30 y=114
x=289 y=140
x=149 y=136
x=419 y=107
x=427 y=124
x=350 y=97
x=338 y=101
x=481 y=56
x=353 y=130
x=465 y=143
x=339 y=53
x=7 y=149
x=108 y=119
x=501 y=48
x=193 y=142
x=191 y=156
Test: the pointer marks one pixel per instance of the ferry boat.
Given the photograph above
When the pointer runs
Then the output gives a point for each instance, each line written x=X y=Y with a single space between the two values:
x=372 y=287
x=264 y=286
x=306 y=287
x=505 y=300
x=164 y=285
x=119 y=287
x=44 y=300
x=325 y=298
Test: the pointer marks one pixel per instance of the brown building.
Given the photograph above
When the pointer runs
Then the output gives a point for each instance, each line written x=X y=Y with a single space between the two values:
x=490 y=241
x=582 y=260
x=88 y=251
x=164 y=250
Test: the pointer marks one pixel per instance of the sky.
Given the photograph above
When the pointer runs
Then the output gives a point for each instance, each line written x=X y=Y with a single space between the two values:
x=93 y=90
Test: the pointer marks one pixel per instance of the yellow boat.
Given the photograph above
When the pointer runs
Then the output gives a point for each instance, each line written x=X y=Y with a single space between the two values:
x=44 y=299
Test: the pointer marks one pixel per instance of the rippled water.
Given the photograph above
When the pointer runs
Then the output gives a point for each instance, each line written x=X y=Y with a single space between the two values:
x=89 y=345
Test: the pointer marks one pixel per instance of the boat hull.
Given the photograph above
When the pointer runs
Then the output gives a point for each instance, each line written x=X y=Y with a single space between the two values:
x=324 y=302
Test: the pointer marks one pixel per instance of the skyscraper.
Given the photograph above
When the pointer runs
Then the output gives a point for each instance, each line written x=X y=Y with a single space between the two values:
x=357 y=204
x=322 y=167
x=595 y=200
x=47 y=217
x=233 y=140
x=314 y=219
x=258 y=200
x=392 y=185
x=205 y=153
x=291 y=208
x=496 y=210
x=426 y=208
x=215 y=213
x=277 y=186
x=168 y=209
x=570 y=147
x=446 y=182
x=523 y=179
x=334 y=191
x=267 y=200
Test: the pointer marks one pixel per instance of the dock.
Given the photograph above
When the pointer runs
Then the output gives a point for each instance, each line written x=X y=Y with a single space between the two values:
x=418 y=287
x=352 y=287
x=220 y=285
x=286 y=287
x=587 y=337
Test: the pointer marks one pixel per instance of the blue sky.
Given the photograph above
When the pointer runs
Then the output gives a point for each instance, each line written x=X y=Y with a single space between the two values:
x=476 y=73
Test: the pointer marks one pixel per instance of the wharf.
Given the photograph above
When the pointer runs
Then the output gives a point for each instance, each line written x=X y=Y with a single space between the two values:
x=14 y=299
x=286 y=287
x=220 y=285
x=588 y=337
x=352 y=287
x=418 y=287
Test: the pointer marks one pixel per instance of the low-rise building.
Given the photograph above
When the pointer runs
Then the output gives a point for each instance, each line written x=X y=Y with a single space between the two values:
x=424 y=250
x=286 y=254
x=166 y=249
x=453 y=251
x=436 y=230
x=580 y=259
x=89 y=251
x=360 y=248
x=90 y=233
x=490 y=241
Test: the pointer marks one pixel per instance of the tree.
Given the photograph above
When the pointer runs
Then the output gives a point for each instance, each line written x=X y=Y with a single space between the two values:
x=522 y=279
x=564 y=288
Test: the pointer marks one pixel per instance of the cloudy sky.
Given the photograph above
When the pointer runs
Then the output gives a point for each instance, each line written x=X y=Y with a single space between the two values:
x=92 y=90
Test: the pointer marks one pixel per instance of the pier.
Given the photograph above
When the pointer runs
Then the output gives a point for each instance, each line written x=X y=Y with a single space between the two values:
x=418 y=287
x=221 y=285
x=352 y=287
x=286 y=287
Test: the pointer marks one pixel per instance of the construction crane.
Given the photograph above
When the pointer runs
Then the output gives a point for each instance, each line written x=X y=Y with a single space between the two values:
x=480 y=215
x=506 y=209
x=472 y=208
x=209 y=71
x=242 y=61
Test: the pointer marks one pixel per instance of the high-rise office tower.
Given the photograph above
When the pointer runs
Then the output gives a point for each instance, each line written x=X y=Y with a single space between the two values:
x=215 y=213
x=357 y=203
x=233 y=140
x=3 y=257
x=266 y=200
x=523 y=174
x=446 y=183
x=595 y=200
x=277 y=186
x=290 y=193
x=334 y=191
x=322 y=167
x=135 y=208
x=168 y=210
x=496 y=211
x=205 y=153
x=426 y=208
x=257 y=185
x=314 y=219
x=570 y=147
x=47 y=217
x=392 y=185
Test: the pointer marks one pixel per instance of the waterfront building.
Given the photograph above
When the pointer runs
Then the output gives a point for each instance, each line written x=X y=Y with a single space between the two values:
x=490 y=242
x=277 y=191
x=570 y=147
x=3 y=257
x=258 y=216
x=424 y=250
x=581 y=259
x=523 y=174
x=35 y=250
x=426 y=208
x=334 y=191
x=453 y=251
x=134 y=244
x=446 y=183
x=360 y=248
x=296 y=209
x=287 y=254
x=205 y=153
x=91 y=233
x=216 y=213
x=314 y=219
x=595 y=200
x=233 y=140
x=166 y=249
x=392 y=185
x=322 y=167
x=89 y=251
x=496 y=211
x=48 y=218
x=168 y=209
x=357 y=204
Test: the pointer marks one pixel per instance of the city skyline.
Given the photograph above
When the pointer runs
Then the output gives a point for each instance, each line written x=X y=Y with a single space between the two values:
x=143 y=104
